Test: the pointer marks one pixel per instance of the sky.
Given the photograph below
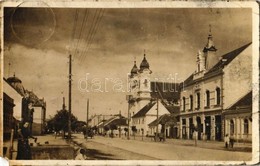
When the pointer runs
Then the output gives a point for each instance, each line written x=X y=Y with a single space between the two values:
x=104 y=44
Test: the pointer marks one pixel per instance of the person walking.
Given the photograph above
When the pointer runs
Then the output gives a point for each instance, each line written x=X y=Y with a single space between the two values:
x=24 y=149
x=232 y=141
x=195 y=136
x=227 y=140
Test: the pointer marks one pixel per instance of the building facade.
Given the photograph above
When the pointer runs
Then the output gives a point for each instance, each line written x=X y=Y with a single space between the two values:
x=217 y=83
x=143 y=95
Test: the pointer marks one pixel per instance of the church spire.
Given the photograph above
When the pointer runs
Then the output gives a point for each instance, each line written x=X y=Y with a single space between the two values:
x=210 y=52
x=210 y=44
x=134 y=69
x=144 y=64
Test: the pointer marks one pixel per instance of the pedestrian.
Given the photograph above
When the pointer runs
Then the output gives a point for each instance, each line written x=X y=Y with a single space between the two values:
x=232 y=141
x=81 y=155
x=227 y=140
x=195 y=136
x=24 y=149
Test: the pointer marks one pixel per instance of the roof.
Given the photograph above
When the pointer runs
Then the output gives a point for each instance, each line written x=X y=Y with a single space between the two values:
x=118 y=122
x=227 y=58
x=175 y=110
x=245 y=101
x=144 y=64
x=134 y=69
x=165 y=90
x=218 y=68
x=144 y=110
x=164 y=119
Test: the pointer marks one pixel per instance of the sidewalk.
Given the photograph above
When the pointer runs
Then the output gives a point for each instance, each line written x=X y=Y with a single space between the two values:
x=218 y=145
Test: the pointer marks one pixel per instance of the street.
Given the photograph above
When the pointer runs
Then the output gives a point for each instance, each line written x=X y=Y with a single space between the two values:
x=120 y=149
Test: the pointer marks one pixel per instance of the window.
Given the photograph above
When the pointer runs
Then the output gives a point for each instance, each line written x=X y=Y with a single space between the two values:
x=198 y=100
x=183 y=103
x=245 y=126
x=207 y=98
x=231 y=127
x=191 y=102
x=217 y=96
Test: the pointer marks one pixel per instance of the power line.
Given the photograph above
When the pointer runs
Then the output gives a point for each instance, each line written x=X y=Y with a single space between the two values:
x=89 y=32
x=95 y=30
x=74 y=30
x=81 y=29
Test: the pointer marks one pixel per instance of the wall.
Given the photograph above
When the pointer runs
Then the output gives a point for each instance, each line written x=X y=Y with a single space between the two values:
x=237 y=79
x=10 y=91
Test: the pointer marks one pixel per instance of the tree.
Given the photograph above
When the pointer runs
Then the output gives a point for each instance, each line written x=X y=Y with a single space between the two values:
x=60 y=121
x=134 y=130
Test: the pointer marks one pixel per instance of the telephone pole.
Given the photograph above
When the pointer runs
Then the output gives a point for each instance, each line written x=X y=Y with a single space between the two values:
x=87 y=111
x=157 y=117
x=70 y=80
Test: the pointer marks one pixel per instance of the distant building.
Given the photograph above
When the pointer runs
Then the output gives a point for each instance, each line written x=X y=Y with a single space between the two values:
x=143 y=96
x=217 y=84
x=28 y=107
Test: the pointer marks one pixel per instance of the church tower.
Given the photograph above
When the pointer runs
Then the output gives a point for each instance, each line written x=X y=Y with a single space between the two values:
x=210 y=52
x=144 y=93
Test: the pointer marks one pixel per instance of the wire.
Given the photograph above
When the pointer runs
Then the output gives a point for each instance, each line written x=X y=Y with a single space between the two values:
x=82 y=27
x=89 y=33
x=95 y=30
x=74 y=30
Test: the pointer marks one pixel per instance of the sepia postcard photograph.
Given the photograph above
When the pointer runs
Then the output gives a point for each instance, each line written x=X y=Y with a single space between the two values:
x=148 y=83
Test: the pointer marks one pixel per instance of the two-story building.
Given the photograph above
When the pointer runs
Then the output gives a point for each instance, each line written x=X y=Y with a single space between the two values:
x=217 y=83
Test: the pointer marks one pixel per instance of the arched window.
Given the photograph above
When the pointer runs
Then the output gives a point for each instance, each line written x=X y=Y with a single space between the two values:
x=183 y=103
x=198 y=100
x=232 y=129
x=191 y=102
x=207 y=98
x=245 y=126
x=217 y=97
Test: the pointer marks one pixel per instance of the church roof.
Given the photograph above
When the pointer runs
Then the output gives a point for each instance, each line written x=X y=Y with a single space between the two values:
x=218 y=68
x=144 y=110
x=13 y=80
x=16 y=83
x=134 y=69
x=165 y=90
x=144 y=64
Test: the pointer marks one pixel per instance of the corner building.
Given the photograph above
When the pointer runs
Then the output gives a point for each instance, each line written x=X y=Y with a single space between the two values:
x=216 y=85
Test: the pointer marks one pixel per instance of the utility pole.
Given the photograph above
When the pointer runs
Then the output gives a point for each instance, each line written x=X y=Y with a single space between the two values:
x=87 y=111
x=157 y=117
x=128 y=119
x=87 y=132
x=70 y=80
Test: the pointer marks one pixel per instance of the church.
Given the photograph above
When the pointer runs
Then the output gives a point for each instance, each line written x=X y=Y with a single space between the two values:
x=216 y=99
x=149 y=99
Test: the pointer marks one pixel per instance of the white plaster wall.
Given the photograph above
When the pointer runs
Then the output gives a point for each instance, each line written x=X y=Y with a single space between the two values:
x=237 y=77
x=11 y=92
